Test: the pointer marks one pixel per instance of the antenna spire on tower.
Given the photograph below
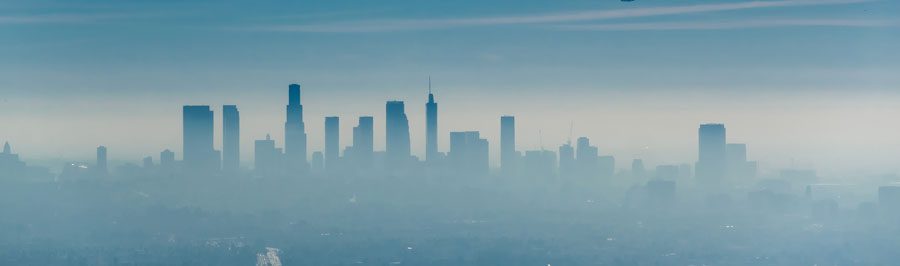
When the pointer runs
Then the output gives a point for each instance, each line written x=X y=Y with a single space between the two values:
x=429 y=84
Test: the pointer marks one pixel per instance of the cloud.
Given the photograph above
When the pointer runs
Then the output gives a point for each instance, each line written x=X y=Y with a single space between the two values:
x=575 y=16
x=722 y=25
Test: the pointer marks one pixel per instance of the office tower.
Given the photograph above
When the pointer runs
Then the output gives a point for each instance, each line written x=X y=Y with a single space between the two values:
x=363 y=142
x=431 y=127
x=469 y=152
x=267 y=160
x=10 y=164
x=397 y=135
x=295 y=132
x=198 y=138
x=231 y=135
x=567 y=166
x=539 y=164
x=711 y=165
x=102 y=168
x=332 y=141
x=736 y=162
x=606 y=166
x=586 y=157
x=318 y=161
x=508 y=144
x=685 y=171
x=667 y=172
x=148 y=162
x=167 y=159
x=637 y=168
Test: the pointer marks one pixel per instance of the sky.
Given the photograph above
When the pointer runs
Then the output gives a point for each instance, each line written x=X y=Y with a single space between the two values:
x=808 y=84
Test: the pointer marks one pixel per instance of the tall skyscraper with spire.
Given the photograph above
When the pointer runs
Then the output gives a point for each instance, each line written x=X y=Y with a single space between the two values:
x=295 y=132
x=431 y=125
x=231 y=135
x=397 y=134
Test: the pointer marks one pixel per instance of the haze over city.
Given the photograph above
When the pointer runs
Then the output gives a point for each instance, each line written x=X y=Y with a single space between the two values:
x=391 y=126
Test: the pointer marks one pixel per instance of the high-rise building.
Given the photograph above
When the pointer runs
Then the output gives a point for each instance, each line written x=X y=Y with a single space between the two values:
x=148 y=162
x=711 y=165
x=431 y=127
x=508 y=153
x=363 y=142
x=167 y=159
x=102 y=167
x=198 y=138
x=10 y=164
x=318 y=161
x=332 y=141
x=295 y=132
x=267 y=160
x=736 y=162
x=637 y=168
x=231 y=135
x=469 y=152
x=539 y=164
x=586 y=157
x=397 y=135
x=567 y=167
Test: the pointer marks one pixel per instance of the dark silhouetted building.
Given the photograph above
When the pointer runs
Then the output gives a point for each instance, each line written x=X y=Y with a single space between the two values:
x=711 y=166
x=102 y=166
x=199 y=154
x=397 y=135
x=508 y=154
x=431 y=127
x=469 y=152
x=231 y=135
x=295 y=132
x=332 y=141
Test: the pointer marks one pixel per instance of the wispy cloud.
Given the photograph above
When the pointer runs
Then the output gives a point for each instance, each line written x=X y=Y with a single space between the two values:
x=722 y=25
x=66 y=18
x=577 y=16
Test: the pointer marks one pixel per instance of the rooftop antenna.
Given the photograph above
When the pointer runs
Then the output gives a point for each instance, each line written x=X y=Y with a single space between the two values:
x=429 y=84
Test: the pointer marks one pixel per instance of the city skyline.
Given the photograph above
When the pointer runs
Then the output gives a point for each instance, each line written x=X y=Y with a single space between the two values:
x=755 y=65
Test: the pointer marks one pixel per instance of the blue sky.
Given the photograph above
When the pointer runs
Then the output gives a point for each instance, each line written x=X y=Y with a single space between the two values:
x=148 y=58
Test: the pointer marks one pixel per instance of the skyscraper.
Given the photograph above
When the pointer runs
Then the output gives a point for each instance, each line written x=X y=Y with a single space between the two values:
x=167 y=159
x=363 y=142
x=567 y=167
x=266 y=158
x=431 y=126
x=711 y=165
x=332 y=141
x=508 y=144
x=198 y=138
x=469 y=152
x=397 y=134
x=231 y=134
x=102 y=167
x=586 y=157
x=295 y=131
